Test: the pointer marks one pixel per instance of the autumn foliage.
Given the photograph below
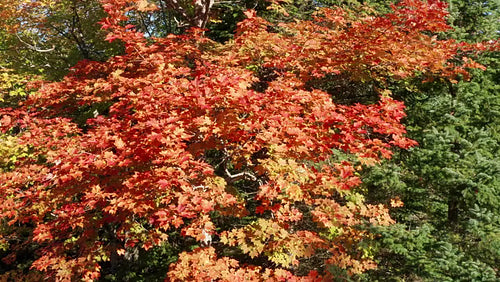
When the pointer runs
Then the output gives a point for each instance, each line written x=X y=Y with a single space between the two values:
x=183 y=129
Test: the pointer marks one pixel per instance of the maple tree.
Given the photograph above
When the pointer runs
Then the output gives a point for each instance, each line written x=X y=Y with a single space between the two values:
x=181 y=130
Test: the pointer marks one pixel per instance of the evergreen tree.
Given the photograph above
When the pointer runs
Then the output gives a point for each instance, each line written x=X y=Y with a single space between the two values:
x=449 y=229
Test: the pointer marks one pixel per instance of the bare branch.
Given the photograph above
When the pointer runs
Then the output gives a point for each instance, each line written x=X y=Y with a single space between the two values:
x=34 y=48
x=239 y=176
x=201 y=11
x=174 y=4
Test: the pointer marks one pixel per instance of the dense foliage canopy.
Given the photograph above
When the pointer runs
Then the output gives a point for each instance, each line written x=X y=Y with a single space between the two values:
x=230 y=161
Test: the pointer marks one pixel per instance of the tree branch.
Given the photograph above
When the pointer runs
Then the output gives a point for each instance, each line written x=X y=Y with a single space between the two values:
x=239 y=176
x=34 y=48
